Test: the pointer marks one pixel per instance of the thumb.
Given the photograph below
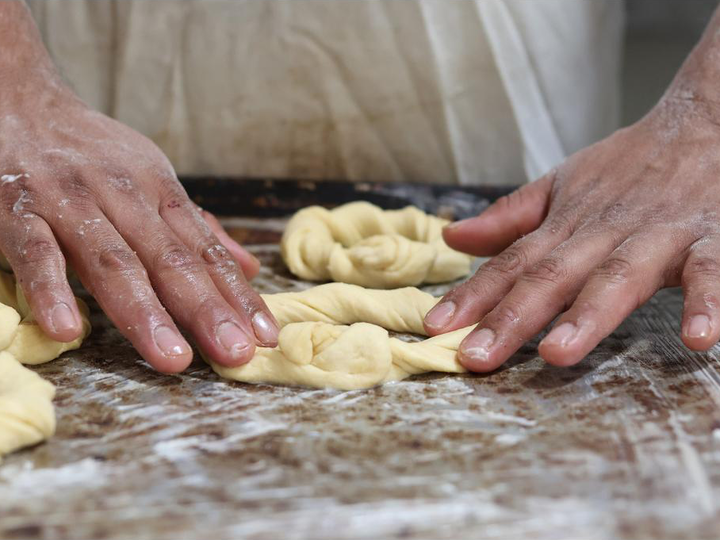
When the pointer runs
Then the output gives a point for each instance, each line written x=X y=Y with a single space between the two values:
x=503 y=222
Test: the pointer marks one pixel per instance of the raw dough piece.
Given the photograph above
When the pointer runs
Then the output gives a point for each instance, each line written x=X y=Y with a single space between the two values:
x=26 y=412
x=362 y=244
x=317 y=349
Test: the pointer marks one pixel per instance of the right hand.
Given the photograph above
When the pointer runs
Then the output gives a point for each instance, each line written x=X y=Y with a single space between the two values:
x=80 y=186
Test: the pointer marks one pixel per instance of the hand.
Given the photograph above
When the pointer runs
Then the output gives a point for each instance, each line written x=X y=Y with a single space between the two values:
x=594 y=240
x=80 y=186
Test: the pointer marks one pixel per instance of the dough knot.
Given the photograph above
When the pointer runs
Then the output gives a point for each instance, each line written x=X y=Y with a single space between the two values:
x=362 y=244
x=336 y=335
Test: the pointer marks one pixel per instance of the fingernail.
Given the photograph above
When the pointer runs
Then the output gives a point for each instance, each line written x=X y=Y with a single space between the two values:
x=63 y=318
x=265 y=329
x=477 y=346
x=233 y=339
x=440 y=315
x=561 y=336
x=455 y=224
x=699 y=327
x=170 y=342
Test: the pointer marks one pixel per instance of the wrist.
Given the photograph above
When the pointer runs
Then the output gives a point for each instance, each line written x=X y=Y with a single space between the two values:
x=698 y=80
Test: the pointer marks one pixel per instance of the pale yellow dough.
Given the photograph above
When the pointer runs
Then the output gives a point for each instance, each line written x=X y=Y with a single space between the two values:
x=317 y=348
x=362 y=244
x=26 y=412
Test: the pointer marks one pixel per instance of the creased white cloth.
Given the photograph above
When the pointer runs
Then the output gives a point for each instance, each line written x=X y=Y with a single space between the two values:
x=445 y=91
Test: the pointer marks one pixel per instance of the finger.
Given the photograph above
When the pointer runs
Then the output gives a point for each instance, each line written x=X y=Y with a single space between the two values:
x=114 y=275
x=185 y=221
x=39 y=267
x=472 y=300
x=621 y=284
x=182 y=284
x=503 y=222
x=248 y=262
x=701 y=285
x=539 y=294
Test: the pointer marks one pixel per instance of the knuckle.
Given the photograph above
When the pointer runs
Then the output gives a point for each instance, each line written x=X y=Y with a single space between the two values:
x=74 y=186
x=473 y=289
x=509 y=262
x=117 y=260
x=548 y=271
x=612 y=214
x=559 y=223
x=165 y=180
x=39 y=250
x=174 y=258
x=704 y=267
x=217 y=256
x=585 y=308
x=615 y=270
x=515 y=199
x=19 y=195
x=120 y=180
x=504 y=202
x=508 y=313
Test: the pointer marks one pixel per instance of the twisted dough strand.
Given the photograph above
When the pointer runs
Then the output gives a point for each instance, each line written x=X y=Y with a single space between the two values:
x=318 y=349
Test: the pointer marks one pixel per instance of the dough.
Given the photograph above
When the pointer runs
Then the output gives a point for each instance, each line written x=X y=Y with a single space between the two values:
x=318 y=349
x=26 y=412
x=362 y=244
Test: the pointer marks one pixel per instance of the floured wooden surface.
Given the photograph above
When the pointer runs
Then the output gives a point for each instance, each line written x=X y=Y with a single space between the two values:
x=625 y=445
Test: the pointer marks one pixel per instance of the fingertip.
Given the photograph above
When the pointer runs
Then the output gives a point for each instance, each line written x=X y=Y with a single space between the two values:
x=476 y=365
x=237 y=346
x=61 y=322
x=558 y=356
x=266 y=329
x=172 y=365
x=173 y=353
x=66 y=336
x=439 y=318
x=477 y=352
x=698 y=333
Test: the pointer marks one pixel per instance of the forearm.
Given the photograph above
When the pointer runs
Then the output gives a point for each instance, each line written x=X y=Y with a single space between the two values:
x=23 y=57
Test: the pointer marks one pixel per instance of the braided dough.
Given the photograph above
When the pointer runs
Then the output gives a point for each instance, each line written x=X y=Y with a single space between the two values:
x=26 y=412
x=362 y=244
x=317 y=349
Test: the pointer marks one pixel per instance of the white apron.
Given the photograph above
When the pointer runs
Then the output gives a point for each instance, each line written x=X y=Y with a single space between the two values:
x=445 y=91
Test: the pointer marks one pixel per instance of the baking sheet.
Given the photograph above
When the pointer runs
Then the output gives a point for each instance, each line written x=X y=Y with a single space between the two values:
x=625 y=445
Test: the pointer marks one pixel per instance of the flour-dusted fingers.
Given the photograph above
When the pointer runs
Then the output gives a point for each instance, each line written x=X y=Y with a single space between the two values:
x=181 y=281
x=503 y=222
x=624 y=281
x=182 y=217
x=472 y=300
x=540 y=293
x=39 y=266
x=248 y=262
x=114 y=275
x=701 y=286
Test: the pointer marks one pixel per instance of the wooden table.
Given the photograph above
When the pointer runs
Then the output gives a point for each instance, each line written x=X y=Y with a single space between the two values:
x=625 y=445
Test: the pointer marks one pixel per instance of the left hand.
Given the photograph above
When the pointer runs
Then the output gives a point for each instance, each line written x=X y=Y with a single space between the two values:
x=595 y=239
